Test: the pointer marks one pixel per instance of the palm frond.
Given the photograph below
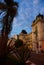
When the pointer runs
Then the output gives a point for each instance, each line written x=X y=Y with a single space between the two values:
x=3 y=6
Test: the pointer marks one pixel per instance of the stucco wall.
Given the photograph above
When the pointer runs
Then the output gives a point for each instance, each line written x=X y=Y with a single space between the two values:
x=40 y=34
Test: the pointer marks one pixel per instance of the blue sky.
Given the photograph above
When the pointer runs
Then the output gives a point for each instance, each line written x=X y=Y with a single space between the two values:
x=27 y=12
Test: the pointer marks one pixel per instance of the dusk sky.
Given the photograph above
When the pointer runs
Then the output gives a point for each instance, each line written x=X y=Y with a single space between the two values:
x=27 y=12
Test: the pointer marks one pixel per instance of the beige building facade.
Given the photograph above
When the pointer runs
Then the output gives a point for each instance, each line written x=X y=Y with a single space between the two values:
x=35 y=39
x=27 y=39
x=38 y=33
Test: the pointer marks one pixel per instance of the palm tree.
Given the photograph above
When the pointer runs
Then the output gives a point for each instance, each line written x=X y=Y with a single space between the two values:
x=11 y=10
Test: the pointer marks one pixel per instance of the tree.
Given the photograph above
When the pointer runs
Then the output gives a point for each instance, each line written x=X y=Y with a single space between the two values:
x=18 y=43
x=11 y=10
x=24 y=32
x=22 y=51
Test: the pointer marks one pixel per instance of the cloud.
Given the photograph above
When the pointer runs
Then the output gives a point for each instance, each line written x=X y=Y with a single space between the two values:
x=27 y=11
x=35 y=2
x=24 y=14
x=42 y=10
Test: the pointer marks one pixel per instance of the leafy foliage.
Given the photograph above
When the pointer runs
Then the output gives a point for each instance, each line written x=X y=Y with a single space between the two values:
x=18 y=43
x=24 y=32
x=23 y=51
x=20 y=53
x=11 y=10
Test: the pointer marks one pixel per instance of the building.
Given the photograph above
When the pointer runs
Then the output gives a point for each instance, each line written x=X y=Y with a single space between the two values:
x=27 y=39
x=35 y=39
x=30 y=40
x=23 y=37
x=38 y=33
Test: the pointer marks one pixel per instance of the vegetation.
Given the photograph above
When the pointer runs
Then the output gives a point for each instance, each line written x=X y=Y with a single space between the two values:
x=20 y=53
x=18 y=43
x=23 y=51
x=24 y=32
x=10 y=7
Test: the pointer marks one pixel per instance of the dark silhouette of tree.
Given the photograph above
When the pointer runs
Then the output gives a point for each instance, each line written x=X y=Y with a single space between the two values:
x=11 y=10
x=23 y=51
x=24 y=32
x=18 y=43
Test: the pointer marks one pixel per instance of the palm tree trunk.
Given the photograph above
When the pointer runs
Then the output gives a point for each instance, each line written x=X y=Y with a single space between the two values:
x=5 y=31
x=4 y=38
